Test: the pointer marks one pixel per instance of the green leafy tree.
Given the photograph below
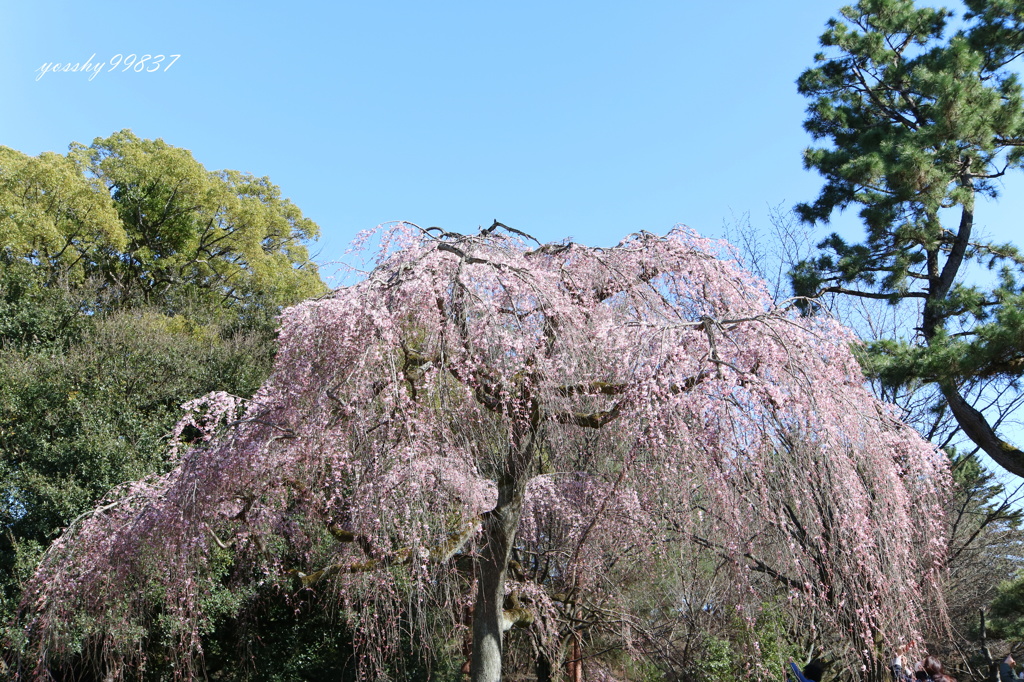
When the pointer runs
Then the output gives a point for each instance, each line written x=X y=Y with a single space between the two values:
x=224 y=233
x=154 y=226
x=53 y=214
x=916 y=126
x=1007 y=615
x=131 y=281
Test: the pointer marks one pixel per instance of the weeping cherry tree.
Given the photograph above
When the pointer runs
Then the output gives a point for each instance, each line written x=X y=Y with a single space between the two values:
x=489 y=426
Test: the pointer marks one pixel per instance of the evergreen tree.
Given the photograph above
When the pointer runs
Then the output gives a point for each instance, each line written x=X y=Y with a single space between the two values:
x=916 y=127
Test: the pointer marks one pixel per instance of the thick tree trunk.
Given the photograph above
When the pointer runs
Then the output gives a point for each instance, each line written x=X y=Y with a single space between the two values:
x=489 y=614
x=500 y=526
x=977 y=428
x=974 y=424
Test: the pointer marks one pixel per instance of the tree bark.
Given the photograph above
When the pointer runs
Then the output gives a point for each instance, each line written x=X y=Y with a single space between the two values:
x=489 y=614
x=973 y=423
x=576 y=662
x=977 y=428
x=499 y=530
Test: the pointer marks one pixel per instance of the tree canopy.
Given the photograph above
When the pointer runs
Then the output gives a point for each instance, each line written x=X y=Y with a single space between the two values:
x=152 y=224
x=518 y=431
x=916 y=126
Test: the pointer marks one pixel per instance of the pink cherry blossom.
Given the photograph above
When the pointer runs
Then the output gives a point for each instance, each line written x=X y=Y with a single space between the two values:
x=483 y=402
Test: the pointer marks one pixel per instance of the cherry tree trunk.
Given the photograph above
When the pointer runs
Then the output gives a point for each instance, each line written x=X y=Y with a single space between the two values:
x=488 y=616
x=499 y=529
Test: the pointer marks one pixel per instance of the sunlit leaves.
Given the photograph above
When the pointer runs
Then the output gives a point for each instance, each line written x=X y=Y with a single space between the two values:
x=152 y=223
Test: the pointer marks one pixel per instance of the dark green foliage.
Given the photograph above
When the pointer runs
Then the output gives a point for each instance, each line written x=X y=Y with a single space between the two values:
x=81 y=415
x=1007 y=612
x=916 y=123
x=289 y=638
x=34 y=315
x=76 y=423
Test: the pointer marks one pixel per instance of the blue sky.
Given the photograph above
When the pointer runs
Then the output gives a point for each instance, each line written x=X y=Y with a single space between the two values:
x=582 y=119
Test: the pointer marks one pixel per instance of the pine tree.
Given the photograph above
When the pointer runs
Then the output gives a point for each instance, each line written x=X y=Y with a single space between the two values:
x=916 y=127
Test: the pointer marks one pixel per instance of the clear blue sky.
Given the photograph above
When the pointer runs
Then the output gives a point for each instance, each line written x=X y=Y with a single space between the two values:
x=582 y=119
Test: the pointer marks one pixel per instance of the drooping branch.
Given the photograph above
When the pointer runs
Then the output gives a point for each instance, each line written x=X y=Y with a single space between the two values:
x=592 y=388
x=596 y=420
x=439 y=554
x=589 y=420
x=755 y=564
